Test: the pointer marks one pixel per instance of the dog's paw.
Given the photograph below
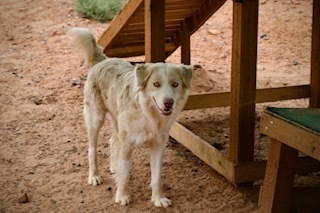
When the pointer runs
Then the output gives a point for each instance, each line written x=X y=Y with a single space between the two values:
x=123 y=199
x=161 y=201
x=94 y=180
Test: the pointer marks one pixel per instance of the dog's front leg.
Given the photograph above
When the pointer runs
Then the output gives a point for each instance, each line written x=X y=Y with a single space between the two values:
x=156 y=157
x=123 y=174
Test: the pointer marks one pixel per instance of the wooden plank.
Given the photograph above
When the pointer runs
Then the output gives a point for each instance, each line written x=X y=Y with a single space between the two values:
x=203 y=150
x=252 y=171
x=278 y=181
x=301 y=139
x=222 y=99
x=209 y=100
x=185 y=42
x=315 y=56
x=243 y=80
x=132 y=32
x=119 y=23
x=282 y=93
x=169 y=15
x=135 y=50
x=182 y=5
x=138 y=36
x=140 y=25
x=154 y=11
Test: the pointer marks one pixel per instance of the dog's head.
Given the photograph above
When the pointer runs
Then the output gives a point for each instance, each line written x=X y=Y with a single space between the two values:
x=164 y=86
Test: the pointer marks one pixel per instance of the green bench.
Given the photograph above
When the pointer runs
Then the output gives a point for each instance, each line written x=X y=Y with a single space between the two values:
x=292 y=130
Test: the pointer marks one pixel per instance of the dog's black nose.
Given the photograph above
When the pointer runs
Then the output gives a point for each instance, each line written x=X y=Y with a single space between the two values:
x=168 y=102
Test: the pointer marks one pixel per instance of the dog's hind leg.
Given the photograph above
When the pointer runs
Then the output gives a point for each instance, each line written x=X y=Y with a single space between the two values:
x=94 y=117
x=156 y=157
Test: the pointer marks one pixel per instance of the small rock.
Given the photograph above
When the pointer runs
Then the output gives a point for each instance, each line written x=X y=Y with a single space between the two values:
x=214 y=32
x=24 y=199
x=36 y=100
x=295 y=63
x=10 y=38
x=75 y=82
x=264 y=36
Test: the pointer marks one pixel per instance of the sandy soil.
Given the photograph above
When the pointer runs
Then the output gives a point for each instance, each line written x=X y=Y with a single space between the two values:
x=43 y=142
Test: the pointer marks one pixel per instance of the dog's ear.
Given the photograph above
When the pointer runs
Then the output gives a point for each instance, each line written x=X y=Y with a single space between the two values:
x=142 y=75
x=186 y=75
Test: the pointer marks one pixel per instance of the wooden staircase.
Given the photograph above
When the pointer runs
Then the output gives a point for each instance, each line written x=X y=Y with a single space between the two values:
x=127 y=34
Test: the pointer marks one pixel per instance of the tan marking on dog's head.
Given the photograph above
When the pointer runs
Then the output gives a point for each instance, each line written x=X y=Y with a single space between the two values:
x=142 y=75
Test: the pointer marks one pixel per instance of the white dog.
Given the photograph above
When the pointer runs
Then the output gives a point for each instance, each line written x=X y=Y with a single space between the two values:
x=143 y=101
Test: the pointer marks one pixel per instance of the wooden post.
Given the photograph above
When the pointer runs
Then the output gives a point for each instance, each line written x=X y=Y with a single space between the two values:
x=243 y=80
x=154 y=19
x=185 y=34
x=315 y=56
x=278 y=182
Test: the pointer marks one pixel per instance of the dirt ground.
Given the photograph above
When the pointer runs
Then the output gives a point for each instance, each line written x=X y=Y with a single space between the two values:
x=43 y=142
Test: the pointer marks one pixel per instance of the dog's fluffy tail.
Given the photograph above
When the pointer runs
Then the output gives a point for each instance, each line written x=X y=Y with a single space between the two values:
x=92 y=52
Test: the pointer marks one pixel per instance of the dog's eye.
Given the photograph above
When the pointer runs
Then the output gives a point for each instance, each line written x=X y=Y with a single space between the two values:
x=175 y=84
x=156 y=84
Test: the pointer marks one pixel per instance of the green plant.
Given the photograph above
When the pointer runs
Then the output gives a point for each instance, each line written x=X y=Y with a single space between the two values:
x=100 y=10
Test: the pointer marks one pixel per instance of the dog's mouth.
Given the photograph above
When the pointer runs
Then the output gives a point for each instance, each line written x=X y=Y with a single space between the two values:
x=166 y=111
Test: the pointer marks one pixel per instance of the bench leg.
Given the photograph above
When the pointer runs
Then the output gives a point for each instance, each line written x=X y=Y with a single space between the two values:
x=278 y=182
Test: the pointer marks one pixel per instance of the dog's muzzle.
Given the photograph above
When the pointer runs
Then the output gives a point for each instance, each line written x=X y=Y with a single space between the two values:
x=167 y=103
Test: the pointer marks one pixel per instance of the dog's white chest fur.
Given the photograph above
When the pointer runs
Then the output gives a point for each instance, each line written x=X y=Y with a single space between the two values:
x=141 y=128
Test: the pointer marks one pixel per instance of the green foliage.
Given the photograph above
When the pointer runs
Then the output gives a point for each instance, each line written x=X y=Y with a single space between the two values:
x=100 y=10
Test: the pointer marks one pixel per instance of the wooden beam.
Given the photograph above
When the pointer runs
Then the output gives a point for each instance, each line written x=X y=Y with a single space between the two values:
x=119 y=23
x=278 y=182
x=315 y=56
x=243 y=80
x=235 y=173
x=252 y=171
x=185 y=42
x=222 y=99
x=154 y=19
x=203 y=150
